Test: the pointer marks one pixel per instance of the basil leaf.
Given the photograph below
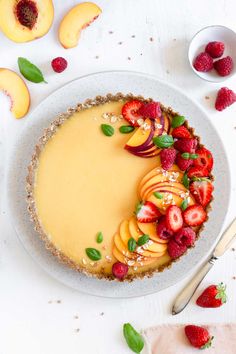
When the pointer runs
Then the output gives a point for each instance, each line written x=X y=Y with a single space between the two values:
x=184 y=204
x=107 y=129
x=30 y=71
x=193 y=156
x=187 y=156
x=126 y=129
x=142 y=240
x=158 y=195
x=133 y=338
x=177 y=121
x=138 y=208
x=185 y=181
x=163 y=141
x=93 y=254
x=132 y=244
x=199 y=179
x=99 y=237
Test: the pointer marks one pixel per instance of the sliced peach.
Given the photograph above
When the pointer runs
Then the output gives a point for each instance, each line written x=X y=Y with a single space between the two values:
x=150 y=230
x=122 y=247
x=141 y=137
x=124 y=231
x=142 y=261
x=133 y=228
x=16 y=89
x=26 y=20
x=78 y=18
x=162 y=187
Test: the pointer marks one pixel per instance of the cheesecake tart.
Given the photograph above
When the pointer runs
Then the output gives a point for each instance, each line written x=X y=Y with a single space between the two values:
x=119 y=187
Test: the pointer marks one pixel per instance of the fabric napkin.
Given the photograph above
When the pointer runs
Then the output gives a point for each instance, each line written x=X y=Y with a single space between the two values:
x=171 y=339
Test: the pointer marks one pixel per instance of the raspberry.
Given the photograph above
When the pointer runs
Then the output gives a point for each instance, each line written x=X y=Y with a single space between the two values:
x=186 y=145
x=181 y=132
x=119 y=270
x=185 y=237
x=162 y=230
x=175 y=250
x=224 y=99
x=150 y=110
x=203 y=62
x=215 y=49
x=167 y=158
x=59 y=64
x=224 y=66
x=182 y=163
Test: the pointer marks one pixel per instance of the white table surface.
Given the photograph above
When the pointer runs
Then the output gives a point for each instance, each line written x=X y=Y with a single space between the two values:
x=38 y=314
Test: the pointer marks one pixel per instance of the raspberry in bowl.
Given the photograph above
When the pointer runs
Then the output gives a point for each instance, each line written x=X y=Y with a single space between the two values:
x=212 y=53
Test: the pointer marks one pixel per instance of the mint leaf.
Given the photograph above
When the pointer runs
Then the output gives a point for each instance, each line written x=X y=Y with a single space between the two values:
x=142 y=240
x=126 y=129
x=30 y=71
x=184 y=204
x=107 y=129
x=133 y=338
x=93 y=254
x=177 y=121
x=132 y=244
x=99 y=237
x=185 y=181
x=158 y=195
x=163 y=141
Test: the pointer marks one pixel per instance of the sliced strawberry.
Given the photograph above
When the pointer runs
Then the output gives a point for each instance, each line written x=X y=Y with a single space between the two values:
x=182 y=163
x=196 y=171
x=130 y=112
x=186 y=145
x=150 y=110
x=181 y=132
x=202 y=191
x=174 y=220
x=147 y=212
x=204 y=160
x=194 y=215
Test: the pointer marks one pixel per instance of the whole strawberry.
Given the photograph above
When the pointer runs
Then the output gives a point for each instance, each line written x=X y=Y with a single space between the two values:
x=213 y=296
x=167 y=158
x=199 y=337
x=224 y=99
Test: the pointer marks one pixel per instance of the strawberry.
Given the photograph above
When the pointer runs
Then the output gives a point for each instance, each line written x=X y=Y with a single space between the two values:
x=130 y=112
x=150 y=110
x=181 y=132
x=176 y=250
x=167 y=158
x=202 y=191
x=186 y=145
x=174 y=220
x=185 y=236
x=196 y=171
x=162 y=230
x=182 y=163
x=198 y=336
x=147 y=212
x=212 y=296
x=205 y=159
x=194 y=215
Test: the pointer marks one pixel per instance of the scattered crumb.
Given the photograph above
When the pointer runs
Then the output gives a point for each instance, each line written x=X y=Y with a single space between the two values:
x=129 y=58
x=104 y=247
x=233 y=249
x=234 y=278
x=133 y=36
x=151 y=39
x=76 y=317
x=110 y=32
x=102 y=314
x=174 y=39
x=96 y=57
x=167 y=71
x=50 y=302
x=58 y=301
x=141 y=53
x=120 y=43
x=207 y=97
x=77 y=330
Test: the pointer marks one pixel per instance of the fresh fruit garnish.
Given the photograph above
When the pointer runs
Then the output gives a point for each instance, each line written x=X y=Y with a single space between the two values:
x=203 y=62
x=181 y=132
x=224 y=66
x=167 y=158
x=107 y=129
x=140 y=143
x=163 y=141
x=174 y=220
x=175 y=250
x=194 y=215
x=132 y=244
x=185 y=236
x=147 y=212
x=130 y=112
x=199 y=337
x=126 y=129
x=225 y=98
x=212 y=296
x=150 y=110
x=182 y=163
x=30 y=71
x=177 y=121
x=99 y=238
x=186 y=145
x=202 y=191
x=93 y=254
x=162 y=230
x=198 y=172
x=59 y=64
x=133 y=338
x=158 y=195
x=184 y=204
x=119 y=270
x=185 y=181
x=215 y=49
x=205 y=159
x=142 y=240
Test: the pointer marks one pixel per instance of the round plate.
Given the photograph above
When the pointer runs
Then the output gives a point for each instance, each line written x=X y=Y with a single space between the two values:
x=68 y=96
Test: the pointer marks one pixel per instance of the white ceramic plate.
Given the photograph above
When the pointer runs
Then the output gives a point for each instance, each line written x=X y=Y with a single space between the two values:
x=89 y=87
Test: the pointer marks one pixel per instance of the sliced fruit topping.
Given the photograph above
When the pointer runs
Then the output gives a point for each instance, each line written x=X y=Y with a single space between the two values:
x=147 y=212
x=130 y=112
x=194 y=215
x=212 y=296
x=176 y=250
x=174 y=220
x=162 y=230
x=186 y=145
x=182 y=163
x=163 y=141
x=198 y=172
x=150 y=110
x=167 y=158
x=199 y=337
x=181 y=132
x=202 y=191
x=119 y=270
x=185 y=236
x=177 y=121
x=204 y=159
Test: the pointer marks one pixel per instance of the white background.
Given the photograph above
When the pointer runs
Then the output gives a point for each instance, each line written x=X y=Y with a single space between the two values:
x=31 y=319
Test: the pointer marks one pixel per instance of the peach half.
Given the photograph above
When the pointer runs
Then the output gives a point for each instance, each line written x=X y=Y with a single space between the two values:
x=25 y=20
x=78 y=18
x=16 y=89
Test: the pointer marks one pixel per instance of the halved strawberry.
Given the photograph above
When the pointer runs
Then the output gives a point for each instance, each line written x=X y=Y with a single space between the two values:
x=174 y=220
x=202 y=191
x=147 y=212
x=204 y=160
x=194 y=215
x=181 y=132
x=130 y=112
x=196 y=171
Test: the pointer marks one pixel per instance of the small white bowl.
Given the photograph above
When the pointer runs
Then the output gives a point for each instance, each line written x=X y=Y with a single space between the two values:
x=210 y=34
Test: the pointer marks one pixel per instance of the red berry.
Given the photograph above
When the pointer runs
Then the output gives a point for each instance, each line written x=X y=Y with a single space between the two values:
x=175 y=250
x=196 y=171
x=181 y=132
x=174 y=220
x=182 y=163
x=167 y=158
x=203 y=62
x=194 y=215
x=212 y=296
x=119 y=270
x=215 y=49
x=224 y=66
x=150 y=110
x=130 y=112
x=205 y=159
x=162 y=230
x=199 y=337
x=224 y=99
x=185 y=236
x=202 y=191
x=59 y=64
x=186 y=145
x=147 y=212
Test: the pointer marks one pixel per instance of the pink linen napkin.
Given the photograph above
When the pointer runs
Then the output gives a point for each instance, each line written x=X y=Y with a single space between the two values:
x=171 y=339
